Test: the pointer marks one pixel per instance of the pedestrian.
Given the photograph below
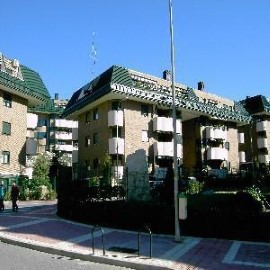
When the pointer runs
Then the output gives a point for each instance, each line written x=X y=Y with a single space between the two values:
x=14 y=196
x=2 y=195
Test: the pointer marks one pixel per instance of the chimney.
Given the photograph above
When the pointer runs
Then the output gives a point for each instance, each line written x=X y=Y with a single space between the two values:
x=56 y=96
x=167 y=75
x=201 y=86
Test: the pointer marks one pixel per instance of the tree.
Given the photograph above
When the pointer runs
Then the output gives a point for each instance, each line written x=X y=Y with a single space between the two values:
x=42 y=164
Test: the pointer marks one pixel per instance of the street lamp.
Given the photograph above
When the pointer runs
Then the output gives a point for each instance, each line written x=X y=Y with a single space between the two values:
x=175 y=163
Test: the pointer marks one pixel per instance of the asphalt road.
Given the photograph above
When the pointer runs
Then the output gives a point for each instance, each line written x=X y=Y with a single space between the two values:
x=14 y=258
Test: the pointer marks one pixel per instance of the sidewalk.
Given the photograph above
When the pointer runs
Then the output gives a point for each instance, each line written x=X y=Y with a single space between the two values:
x=36 y=226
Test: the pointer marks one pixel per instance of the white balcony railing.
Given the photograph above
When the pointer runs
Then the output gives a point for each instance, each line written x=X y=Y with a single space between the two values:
x=261 y=126
x=215 y=133
x=242 y=157
x=165 y=149
x=120 y=170
x=63 y=136
x=216 y=153
x=115 y=118
x=116 y=146
x=64 y=147
x=32 y=120
x=262 y=142
x=63 y=123
x=165 y=124
x=241 y=137
x=263 y=159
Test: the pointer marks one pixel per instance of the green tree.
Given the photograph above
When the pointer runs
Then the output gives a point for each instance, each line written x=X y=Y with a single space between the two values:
x=107 y=165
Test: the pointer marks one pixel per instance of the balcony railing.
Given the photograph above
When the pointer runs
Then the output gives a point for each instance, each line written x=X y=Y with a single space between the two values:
x=64 y=147
x=31 y=146
x=215 y=133
x=165 y=149
x=116 y=146
x=32 y=120
x=261 y=126
x=63 y=123
x=165 y=124
x=263 y=159
x=216 y=153
x=242 y=157
x=241 y=137
x=115 y=118
x=262 y=143
x=63 y=136
x=120 y=170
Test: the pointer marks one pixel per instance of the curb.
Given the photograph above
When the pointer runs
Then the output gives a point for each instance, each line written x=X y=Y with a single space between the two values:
x=107 y=259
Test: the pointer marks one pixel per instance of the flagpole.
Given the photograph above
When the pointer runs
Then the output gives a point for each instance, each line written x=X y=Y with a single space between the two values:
x=175 y=164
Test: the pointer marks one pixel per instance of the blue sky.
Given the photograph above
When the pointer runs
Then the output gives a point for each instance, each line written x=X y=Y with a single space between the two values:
x=224 y=43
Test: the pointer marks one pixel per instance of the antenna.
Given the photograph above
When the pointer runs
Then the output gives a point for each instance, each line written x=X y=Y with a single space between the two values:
x=93 y=55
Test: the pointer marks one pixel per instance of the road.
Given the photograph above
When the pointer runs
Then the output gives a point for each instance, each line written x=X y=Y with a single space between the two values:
x=14 y=258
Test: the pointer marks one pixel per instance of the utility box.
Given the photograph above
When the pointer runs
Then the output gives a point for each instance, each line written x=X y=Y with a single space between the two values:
x=182 y=206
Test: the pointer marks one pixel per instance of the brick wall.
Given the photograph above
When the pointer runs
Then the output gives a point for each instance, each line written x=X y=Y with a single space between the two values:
x=14 y=143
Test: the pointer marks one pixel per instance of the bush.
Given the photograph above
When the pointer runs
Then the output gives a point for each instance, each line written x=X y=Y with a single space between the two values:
x=194 y=186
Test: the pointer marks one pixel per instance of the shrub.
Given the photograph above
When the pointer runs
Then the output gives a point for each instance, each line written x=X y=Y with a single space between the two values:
x=194 y=186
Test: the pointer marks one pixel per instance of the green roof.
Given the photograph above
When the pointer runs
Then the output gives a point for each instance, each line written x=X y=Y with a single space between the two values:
x=115 y=77
x=46 y=108
x=31 y=87
x=256 y=104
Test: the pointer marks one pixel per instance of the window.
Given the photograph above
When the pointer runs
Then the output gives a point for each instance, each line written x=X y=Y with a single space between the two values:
x=95 y=163
x=95 y=138
x=87 y=117
x=7 y=100
x=41 y=135
x=116 y=105
x=42 y=122
x=95 y=114
x=87 y=141
x=144 y=110
x=6 y=128
x=145 y=137
x=114 y=132
x=5 y=157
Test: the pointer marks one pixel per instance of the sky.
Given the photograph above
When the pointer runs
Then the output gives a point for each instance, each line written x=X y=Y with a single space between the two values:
x=224 y=43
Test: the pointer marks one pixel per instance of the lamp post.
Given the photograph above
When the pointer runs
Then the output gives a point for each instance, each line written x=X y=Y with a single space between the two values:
x=175 y=164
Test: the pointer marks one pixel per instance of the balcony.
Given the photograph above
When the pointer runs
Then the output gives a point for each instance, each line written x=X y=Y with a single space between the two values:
x=261 y=126
x=63 y=135
x=64 y=147
x=241 y=138
x=242 y=157
x=31 y=146
x=63 y=123
x=115 y=118
x=42 y=142
x=215 y=133
x=120 y=170
x=262 y=143
x=165 y=124
x=116 y=146
x=75 y=156
x=75 y=134
x=165 y=149
x=216 y=153
x=32 y=120
x=263 y=159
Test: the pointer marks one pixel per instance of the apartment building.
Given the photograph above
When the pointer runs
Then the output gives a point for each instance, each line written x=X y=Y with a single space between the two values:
x=48 y=131
x=255 y=137
x=20 y=87
x=128 y=114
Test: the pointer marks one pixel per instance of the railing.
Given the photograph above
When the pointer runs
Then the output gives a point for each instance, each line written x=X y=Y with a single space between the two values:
x=147 y=227
x=102 y=239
